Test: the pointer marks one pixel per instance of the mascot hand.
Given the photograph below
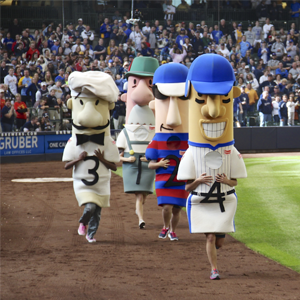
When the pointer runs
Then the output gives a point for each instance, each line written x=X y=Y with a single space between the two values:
x=143 y=158
x=164 y=163
x=83 y=155
x=131 y=159
x=99 y=154
x=207 y=179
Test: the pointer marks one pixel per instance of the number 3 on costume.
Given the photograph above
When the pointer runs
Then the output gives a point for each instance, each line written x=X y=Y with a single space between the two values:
x=92 y=171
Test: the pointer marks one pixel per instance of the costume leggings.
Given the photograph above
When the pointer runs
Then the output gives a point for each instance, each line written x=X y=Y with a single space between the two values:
x=91 y=216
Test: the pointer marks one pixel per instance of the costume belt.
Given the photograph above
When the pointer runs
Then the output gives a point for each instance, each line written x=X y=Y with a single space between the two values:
x=219 y=195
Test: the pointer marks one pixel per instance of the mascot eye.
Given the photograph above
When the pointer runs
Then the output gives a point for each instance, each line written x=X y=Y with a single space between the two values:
x=150 y=82
x=134 y=81
x=157 y=94
x=97 y=102
x=199 y=101
x=183 y=98
x=200 y=95
x=226 y=100
x=81 y=102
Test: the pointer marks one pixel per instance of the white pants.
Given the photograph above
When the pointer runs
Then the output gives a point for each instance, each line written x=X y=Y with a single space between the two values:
x=291 y=118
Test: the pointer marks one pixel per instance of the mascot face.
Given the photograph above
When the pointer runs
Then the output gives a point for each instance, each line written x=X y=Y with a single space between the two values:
x=170 y=105
x=211 y=117
x=171 y=114
x=139 y=93
x=90 y=115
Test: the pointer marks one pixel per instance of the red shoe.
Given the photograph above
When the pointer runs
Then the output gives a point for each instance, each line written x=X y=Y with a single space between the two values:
x=163 y=233
x=173 y=236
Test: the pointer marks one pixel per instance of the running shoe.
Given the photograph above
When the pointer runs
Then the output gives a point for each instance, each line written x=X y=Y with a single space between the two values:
x=81 y=229
x=90 y=240
x=142 y=224
x=173 y=236
x=163 y=233
x=214 y=275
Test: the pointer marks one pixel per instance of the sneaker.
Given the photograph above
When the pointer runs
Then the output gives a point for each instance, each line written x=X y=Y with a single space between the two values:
x=173 y=236
x=163 y=233
x=214 y=275
x=81 y=229
x=142 y=224
x=90 y=240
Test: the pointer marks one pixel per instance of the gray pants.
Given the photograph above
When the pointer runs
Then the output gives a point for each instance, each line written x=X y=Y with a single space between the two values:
x=91 y=216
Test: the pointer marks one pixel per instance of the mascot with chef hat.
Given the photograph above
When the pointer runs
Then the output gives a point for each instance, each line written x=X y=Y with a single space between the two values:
x=91 y=151
x=212 y=164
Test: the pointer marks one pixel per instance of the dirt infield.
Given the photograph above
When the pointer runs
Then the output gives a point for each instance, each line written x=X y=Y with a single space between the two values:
x=43 y=257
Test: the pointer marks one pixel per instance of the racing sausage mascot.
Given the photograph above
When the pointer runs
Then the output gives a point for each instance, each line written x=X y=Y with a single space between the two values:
x=91 y=151
x=139 y=130
x=169 y=143
x=211 y=164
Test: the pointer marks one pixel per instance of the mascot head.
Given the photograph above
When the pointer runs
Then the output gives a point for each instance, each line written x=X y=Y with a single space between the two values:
x=170 y=104
x=209 y=87
x=140 y=79
x=93 y=96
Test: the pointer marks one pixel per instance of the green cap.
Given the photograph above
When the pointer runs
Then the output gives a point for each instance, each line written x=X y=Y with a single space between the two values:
x=143 y=66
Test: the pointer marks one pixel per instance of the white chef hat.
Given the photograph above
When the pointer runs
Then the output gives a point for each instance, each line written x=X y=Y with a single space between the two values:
x=93 y=84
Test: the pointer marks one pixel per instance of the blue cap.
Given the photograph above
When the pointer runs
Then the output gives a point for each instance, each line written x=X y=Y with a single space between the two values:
x=210 y=74
x=291 y=41
x=110 y=61
x=170 y=79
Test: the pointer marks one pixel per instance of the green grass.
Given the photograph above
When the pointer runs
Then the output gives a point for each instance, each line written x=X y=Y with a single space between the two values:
x=268 y=215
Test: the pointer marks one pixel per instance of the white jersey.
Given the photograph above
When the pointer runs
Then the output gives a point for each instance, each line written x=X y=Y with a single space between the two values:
x=11 y=81
x=142 y=133
x=91 y=177
x=217 y=212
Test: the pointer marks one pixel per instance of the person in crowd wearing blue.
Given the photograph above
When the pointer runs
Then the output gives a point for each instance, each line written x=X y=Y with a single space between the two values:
x=264 y=106
x=282 y=110
x=7 y=119
x=217 y=34
x=180 y=40
x=244 y=46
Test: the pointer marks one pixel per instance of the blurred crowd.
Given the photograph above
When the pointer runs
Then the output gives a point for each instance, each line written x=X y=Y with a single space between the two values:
x=35 y=64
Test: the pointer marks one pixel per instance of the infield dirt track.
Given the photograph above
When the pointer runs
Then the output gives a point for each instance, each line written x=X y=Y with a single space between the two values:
x=43 y=257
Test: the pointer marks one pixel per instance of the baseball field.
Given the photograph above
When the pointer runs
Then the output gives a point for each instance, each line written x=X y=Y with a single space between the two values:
x=43 y=257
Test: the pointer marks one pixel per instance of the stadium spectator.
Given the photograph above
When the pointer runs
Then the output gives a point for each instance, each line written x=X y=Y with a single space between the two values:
x=169 y=10
x=278 y=48
x=7 y=116
x=267 y=28
x=264 y=106
x=137 y=36
x=80 y=27
x=31 y=125
x=295 y=9
x=282 y=110
x=105 y=31
x=291 y=110
x=23 y=84
x=32 y=90
x=11 y=81
x=21 y=111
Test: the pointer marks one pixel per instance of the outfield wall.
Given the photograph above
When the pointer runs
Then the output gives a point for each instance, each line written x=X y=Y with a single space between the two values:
x=267 y=139
x=16 y=147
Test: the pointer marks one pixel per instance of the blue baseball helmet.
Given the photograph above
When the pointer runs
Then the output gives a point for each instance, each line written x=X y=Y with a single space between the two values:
x=170 y=79
x=210 y=74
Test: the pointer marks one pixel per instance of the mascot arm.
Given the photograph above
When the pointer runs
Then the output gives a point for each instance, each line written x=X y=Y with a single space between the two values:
x=108 y=164
x=71 y=163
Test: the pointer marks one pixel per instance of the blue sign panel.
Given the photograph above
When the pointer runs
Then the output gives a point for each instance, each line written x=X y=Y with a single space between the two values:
x=16 y=144
x=56 y=143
